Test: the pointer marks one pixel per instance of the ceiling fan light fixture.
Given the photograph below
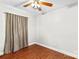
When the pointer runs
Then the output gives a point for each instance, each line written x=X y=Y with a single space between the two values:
x=35 y=5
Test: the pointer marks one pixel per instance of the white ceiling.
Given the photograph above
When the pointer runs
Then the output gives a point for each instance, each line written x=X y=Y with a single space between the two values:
x=57 y=4
x=12 y=2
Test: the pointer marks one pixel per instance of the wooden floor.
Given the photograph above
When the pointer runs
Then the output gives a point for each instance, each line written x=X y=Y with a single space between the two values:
x=36 y=52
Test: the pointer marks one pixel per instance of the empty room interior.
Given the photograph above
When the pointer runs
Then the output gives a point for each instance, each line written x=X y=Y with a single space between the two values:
x=38 y=29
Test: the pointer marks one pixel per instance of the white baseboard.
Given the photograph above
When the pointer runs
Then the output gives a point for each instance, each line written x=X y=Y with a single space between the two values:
x=61 y=51
x=32 y=43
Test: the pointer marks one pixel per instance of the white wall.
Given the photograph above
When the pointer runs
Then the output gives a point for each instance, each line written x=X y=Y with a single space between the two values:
x=58 y=29
x=2 y=31
x=32 y=29
x=31 y=26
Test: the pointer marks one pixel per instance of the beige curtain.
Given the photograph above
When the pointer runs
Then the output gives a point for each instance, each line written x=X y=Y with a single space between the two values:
x=16 y=33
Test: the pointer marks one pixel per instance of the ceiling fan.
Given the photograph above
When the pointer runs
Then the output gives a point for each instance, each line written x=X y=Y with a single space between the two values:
x=36 y=4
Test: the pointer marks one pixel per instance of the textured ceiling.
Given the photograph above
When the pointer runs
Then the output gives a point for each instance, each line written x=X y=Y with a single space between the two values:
x=16 y=2
x=57 y=4
x=12 y=2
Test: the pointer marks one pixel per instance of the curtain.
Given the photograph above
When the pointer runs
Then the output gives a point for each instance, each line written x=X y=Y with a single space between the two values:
x=16 y=33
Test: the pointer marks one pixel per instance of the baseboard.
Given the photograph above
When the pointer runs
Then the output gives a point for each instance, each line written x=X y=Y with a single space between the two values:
x=61 y=51
x=31 y=43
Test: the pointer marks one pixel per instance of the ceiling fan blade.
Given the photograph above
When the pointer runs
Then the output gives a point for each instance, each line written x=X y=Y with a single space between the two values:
x=46 y=3
x=26 y=5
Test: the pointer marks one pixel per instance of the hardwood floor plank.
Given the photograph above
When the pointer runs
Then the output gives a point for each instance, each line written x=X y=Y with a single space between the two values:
x=36 y=52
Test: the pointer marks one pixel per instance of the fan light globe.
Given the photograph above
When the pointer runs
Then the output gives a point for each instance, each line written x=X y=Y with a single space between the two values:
x=35 y=6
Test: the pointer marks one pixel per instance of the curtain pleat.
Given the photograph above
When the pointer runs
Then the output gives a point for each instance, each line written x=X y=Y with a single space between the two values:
x=16 y=33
